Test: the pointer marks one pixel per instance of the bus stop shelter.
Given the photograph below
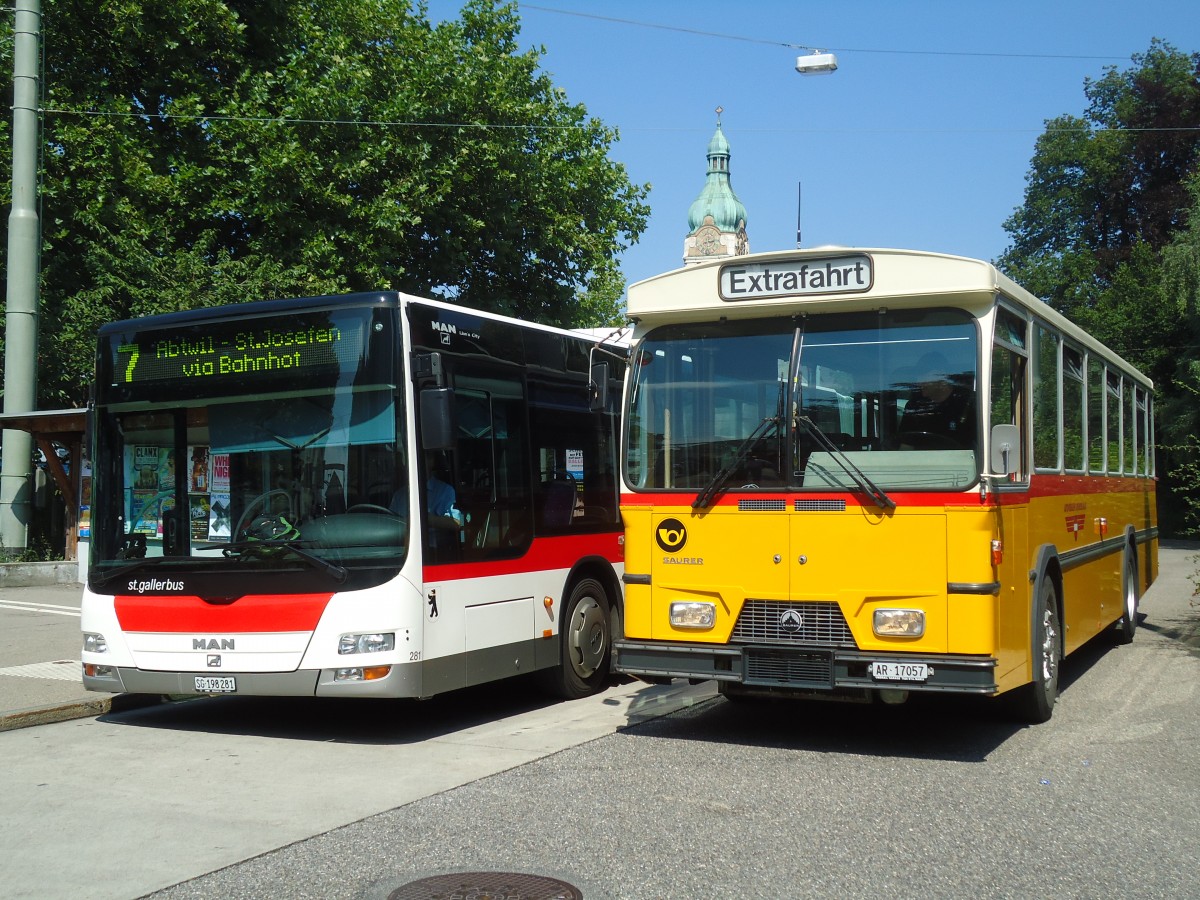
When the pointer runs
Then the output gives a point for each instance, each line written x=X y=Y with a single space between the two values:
x=66 y=428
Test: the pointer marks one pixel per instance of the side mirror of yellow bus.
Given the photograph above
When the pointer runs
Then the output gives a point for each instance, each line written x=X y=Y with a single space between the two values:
x=1005 y=449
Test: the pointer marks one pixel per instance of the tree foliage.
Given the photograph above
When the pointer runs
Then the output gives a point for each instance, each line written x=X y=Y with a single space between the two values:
x=200 y=152
x=1109 y=233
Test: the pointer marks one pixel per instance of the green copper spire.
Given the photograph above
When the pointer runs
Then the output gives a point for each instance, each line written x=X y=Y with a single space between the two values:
x=717 y=199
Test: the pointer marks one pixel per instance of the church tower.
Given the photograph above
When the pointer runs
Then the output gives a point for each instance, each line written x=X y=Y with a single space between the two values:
x=717 y=219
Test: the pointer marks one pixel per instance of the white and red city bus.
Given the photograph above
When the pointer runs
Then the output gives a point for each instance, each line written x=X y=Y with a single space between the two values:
x=350 y=496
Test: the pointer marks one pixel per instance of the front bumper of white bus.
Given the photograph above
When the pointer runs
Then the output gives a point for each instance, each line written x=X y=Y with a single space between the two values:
x=399 y=681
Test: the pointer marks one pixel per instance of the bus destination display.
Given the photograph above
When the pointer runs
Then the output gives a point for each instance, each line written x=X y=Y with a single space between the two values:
x=281 y=348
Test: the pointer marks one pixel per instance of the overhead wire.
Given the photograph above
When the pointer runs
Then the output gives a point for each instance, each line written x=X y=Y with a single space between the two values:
x=814 y=47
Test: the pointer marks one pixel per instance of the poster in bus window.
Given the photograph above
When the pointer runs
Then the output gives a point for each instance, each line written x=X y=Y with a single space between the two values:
x=166 y=470
x=575 y=466
x=85 y=500
x=198 y=466
x=199 y=512
x=142 y=512
x=143 y=472
x=218 y=478
x=219 y=525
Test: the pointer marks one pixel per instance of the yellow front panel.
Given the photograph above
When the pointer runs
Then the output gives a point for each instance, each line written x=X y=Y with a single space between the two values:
x=860 y=558
x=865 y=560
x=720 y=555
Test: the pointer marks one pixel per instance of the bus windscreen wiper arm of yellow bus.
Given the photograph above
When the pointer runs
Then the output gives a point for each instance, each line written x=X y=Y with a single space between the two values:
x=865 y=484
x=705 y=496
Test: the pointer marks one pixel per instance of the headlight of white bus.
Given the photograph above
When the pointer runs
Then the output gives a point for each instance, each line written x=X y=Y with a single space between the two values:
x=366 y=643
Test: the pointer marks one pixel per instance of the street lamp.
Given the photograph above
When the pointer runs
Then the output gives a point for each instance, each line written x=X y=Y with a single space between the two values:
x=816 y=63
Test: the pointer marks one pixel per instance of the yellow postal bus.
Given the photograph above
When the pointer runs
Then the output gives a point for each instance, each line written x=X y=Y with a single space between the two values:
x=864 y=473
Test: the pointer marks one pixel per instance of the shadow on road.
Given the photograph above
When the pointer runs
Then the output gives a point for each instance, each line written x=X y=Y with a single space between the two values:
x=928 y=726
x=373 y=721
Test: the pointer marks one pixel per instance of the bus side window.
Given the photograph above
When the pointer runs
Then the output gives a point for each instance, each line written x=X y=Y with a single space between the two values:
x=1008 y=380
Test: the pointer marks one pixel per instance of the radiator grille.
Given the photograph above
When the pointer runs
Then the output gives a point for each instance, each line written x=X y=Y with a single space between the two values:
x=786 y=667
x=762 y=505
x=820 y=505
x=818 y=624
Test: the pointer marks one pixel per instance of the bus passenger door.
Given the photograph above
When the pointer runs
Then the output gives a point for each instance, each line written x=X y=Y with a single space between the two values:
x=480 y=620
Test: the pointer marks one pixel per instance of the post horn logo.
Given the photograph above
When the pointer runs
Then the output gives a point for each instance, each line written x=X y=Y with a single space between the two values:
x=671 y=535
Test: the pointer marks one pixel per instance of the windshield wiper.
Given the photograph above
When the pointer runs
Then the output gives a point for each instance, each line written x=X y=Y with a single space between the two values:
x=865 y=484
x=705 y=496
x=265 y=549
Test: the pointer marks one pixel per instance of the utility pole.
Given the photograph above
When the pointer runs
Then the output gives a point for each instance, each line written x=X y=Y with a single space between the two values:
x=21 y=312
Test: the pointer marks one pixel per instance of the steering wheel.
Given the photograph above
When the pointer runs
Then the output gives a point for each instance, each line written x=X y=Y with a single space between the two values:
x=261 y=503
x=370 y=507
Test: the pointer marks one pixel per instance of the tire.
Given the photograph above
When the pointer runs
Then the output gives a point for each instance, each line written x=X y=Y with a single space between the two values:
x=586 y=642
x=1034 y=702
x=1130 y=598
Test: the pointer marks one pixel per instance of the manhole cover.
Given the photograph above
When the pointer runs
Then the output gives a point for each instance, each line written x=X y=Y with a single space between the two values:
x=487 y=886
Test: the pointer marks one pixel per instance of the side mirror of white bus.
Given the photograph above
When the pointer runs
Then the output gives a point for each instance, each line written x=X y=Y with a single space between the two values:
x=438 y=426
x=1005 y=449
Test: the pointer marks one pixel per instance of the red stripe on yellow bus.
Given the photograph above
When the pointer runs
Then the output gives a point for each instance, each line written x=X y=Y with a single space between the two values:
x=663 y=499
x=262 y=613
x=1059 y=485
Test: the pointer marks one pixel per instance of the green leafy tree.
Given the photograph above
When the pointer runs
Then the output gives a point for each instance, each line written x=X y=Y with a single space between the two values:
x=201 y=152
x=1181 y=296
x=1104 y=195
x=1106 y=202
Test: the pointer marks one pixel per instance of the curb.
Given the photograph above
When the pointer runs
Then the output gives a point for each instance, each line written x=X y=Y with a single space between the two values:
x=78 y=709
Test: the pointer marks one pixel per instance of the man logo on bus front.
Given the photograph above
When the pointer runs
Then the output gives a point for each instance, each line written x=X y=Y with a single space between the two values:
x=671 y=535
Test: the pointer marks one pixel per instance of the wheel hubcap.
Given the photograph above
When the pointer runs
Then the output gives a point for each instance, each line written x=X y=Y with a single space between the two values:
x=588 y=637
x=1049 y=647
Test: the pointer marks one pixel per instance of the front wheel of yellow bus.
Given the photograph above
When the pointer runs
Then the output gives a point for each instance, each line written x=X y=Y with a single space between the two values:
x=1034 y=703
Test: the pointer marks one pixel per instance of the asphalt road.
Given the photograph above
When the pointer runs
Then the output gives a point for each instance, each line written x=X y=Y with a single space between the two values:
x=938 y=798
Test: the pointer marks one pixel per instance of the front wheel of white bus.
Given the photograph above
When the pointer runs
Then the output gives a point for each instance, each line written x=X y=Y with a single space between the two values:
x=586 y=648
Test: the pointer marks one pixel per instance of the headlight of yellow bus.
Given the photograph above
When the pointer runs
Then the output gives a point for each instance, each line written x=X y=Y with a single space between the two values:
x=693 y=614
x=899 y=623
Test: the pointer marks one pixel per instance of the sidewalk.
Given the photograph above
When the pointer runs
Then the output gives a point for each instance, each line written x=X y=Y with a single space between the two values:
x=40 y=678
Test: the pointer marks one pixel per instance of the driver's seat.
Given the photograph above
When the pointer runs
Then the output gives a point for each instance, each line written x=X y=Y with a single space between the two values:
x=559 y=504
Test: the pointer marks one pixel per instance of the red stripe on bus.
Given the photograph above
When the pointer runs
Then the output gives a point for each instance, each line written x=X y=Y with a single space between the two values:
x=1039 y=486
x=546 y=553
x=851 y=500
x=1060 y=485
x=262 y=613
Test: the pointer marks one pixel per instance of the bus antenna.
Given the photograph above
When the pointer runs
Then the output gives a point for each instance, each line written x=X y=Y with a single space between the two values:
x=799 y=198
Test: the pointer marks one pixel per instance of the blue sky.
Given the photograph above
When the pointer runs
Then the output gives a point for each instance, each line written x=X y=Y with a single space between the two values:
x=921 y=139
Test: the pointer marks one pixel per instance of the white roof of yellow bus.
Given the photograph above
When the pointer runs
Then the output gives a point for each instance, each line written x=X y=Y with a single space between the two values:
x=905 y=277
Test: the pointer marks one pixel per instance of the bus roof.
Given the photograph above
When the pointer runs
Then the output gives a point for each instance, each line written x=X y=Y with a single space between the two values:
x=794 y=282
